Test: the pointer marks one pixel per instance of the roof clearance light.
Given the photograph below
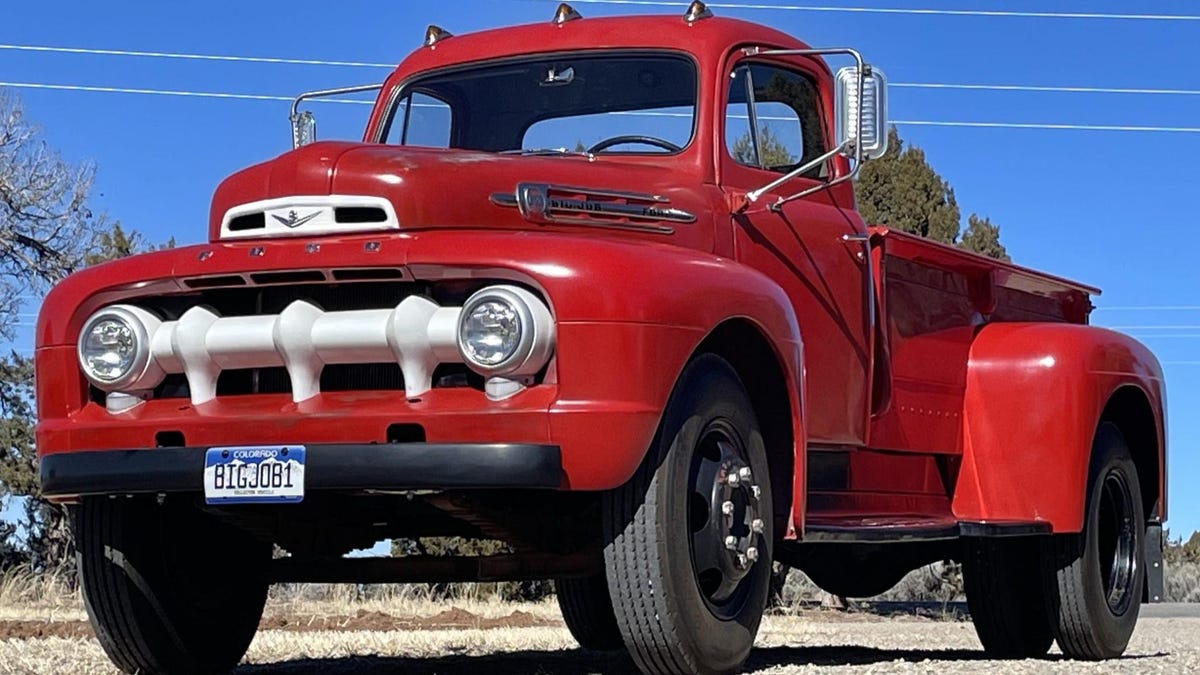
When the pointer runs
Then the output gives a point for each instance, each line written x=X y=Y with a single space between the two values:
x=435 y=34
x=565 y=13
x=697 y=11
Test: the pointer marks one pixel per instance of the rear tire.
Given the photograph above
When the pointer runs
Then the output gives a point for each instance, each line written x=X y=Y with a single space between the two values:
x=587 y=610
x=168 y=588
x=1096 y=577
x=1006 y=596
x=687 y=590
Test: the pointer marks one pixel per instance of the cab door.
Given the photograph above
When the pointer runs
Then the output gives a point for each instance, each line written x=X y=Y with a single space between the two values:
x=814 y=247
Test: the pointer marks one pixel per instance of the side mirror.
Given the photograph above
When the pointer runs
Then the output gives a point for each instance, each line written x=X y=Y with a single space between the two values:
x=869 y=114
x=304 y=128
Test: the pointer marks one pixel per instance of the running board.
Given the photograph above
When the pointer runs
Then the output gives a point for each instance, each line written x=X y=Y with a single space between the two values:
x=883 y=529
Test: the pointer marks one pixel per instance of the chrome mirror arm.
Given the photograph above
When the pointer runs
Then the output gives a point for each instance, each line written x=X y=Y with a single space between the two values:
x=755 y=195
x=816 y=188
x=320 y=93
x=296 y=117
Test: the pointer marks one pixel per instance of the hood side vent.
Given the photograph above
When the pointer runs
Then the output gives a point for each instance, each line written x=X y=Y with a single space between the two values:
x=249 y=221
x=359 y=214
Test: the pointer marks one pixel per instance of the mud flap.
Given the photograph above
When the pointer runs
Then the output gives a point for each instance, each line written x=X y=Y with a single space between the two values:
x=1154 y=563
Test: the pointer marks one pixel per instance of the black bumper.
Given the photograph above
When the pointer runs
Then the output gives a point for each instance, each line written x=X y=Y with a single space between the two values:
x=342 y=468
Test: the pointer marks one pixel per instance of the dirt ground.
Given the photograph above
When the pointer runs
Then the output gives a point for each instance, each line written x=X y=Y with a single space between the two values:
x=503 y=639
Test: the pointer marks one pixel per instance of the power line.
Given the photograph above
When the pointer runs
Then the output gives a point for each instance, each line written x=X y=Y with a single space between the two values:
x=1046 y=88
x=1177 y=327
x=1070 y=89
x=904 y=10
x=169 y=92
x=1040 y=125
x=1153 y=308
x=195 y=57
x=933 y=123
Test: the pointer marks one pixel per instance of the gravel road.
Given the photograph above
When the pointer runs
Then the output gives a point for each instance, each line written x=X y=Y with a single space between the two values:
x=814 y=641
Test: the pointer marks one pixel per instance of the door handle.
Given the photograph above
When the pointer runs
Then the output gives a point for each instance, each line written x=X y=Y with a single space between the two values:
x=856 y=237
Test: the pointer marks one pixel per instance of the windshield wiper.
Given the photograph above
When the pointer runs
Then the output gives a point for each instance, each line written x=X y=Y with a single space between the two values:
x=544 y=152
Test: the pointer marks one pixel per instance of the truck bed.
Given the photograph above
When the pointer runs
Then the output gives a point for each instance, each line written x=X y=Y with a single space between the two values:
x=931 y=301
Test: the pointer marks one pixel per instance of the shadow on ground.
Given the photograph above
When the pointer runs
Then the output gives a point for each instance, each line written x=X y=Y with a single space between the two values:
x=580 y=661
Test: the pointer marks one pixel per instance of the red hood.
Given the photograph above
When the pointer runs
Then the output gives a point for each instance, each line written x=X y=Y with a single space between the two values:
x=435 y=188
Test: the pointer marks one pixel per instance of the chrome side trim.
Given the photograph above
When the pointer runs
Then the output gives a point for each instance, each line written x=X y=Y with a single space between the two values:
x=547 y=204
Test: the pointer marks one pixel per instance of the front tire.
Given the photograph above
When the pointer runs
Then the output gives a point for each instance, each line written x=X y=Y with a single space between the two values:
x=689 y=537
x=1096 y=577
x=168 y=588
x=587 y=610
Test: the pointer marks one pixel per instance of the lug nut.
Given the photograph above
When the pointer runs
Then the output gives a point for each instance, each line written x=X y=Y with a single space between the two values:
x=733 y=480
x=731 y=542
x=741 y=560
x=744 y=473
x=756 y=491
x=727 y=508
x=752 y=553
x=756 y=525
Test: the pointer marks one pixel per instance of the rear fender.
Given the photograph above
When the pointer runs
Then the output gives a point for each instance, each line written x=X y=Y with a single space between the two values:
x=1035 y=395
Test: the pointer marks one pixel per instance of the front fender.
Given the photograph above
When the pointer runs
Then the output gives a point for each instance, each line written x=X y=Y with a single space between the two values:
x=629 y=314
x=1034 y=397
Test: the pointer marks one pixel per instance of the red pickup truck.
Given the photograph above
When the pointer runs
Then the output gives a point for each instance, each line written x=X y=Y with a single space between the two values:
x=595 y=288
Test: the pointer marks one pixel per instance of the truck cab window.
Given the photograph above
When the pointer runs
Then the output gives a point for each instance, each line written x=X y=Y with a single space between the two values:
x=784 y=104
x=421 y=120
x=641 y=103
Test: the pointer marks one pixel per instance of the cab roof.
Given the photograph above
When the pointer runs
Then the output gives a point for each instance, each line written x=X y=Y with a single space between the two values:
x=706 y=39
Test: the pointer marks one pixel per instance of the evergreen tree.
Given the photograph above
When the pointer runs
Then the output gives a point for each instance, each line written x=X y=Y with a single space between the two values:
x=901 y=190
x=774 y=152
x=981 y=236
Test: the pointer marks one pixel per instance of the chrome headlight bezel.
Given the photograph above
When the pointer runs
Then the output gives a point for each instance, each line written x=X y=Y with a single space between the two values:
x=140 y=323
x=535 y=341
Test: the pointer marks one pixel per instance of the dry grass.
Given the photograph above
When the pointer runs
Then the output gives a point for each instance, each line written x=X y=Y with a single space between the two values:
x=791 y=641
x=319 y=600
x=25 y=594
x=786 y=645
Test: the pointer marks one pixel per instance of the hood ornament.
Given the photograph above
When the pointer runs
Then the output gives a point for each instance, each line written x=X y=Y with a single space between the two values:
x=293 y=220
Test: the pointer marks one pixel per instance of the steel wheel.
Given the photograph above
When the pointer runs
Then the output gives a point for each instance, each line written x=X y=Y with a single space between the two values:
x=724 y=519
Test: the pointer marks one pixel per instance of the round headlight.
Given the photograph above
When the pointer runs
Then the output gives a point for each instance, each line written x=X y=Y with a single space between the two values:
x=505 y=331
x=491 y=332
x=114 y=347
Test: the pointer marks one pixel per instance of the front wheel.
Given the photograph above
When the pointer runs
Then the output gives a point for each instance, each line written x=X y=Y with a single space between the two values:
x=1095 y=580
x=168 y=589
x=689 y=537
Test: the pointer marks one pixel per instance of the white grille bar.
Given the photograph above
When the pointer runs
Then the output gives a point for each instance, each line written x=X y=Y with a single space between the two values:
x=418 y=334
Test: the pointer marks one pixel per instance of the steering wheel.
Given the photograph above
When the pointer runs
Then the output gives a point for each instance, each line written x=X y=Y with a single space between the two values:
x=621 y=140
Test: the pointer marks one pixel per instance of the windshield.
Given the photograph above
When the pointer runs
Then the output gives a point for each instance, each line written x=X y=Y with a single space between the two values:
x=567 y=103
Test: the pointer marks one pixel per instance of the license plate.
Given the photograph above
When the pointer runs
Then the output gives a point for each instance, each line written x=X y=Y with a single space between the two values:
x=256 y=474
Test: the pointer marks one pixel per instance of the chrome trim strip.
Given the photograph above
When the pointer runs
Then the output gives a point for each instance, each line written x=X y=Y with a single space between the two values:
x=541 y=203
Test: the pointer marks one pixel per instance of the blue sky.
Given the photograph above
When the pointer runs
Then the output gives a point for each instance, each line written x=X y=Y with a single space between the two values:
x=1101 y=207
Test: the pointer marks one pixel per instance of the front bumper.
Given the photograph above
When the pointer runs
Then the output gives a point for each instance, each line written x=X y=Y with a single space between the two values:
x=332 y=467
